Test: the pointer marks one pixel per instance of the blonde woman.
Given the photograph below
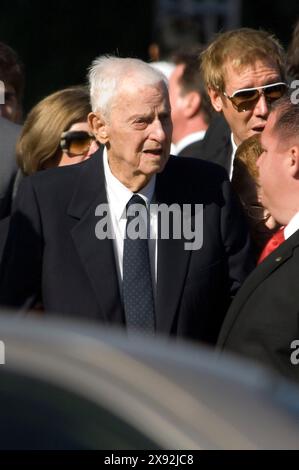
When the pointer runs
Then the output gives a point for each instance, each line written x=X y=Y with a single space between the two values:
x=245 y=182
x=56 y=132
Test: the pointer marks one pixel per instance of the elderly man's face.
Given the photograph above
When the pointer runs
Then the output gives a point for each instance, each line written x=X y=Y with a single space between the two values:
x=138 y=133
x=244 y=124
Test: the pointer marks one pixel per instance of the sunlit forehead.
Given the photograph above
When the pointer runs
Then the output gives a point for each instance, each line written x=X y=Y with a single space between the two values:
x=251 y=75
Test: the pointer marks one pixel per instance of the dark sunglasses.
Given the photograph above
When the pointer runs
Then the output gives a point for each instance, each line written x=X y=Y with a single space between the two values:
x=246 y=99
x=76 y=143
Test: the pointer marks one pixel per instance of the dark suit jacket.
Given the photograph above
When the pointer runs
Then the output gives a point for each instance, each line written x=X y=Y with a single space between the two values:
x=192 y=150
x=216 y=145
x=9 y=133
x=263 y=318
x=52 y=248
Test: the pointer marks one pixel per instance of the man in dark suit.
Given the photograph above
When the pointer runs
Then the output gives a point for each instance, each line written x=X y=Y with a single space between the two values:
x=191 y=109
x=9 y=133
x=60 y=250
x=262 y=322
x=244 y=72
x=11 y=94
x=12 y=78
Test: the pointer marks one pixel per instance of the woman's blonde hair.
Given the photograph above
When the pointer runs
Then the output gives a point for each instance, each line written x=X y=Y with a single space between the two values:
x=40 y=137
x=247 y=154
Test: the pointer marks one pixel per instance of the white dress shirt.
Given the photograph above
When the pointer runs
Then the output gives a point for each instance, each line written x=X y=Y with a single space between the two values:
x=292 y=226
x=185 y=141
x=232 y=157
x=118 y=196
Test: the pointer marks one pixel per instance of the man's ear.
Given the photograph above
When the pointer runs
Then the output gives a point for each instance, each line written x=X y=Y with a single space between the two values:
x=216 y=99
x=293 y=161
x=192 y=104
x=99 y=127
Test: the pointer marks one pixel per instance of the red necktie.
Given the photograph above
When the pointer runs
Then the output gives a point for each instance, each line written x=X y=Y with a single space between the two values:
x=272 y=244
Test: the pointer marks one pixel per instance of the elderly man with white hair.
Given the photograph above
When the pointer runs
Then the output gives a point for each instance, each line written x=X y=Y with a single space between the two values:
x=130 y=237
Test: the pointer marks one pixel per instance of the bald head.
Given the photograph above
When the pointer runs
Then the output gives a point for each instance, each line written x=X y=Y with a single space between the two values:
x=279 y=163
x=286 y=119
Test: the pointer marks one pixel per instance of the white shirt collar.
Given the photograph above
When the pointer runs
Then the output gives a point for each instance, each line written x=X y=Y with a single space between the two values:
x=119 y=195
x=292 y=226
x=187 y=140
x=234 y=146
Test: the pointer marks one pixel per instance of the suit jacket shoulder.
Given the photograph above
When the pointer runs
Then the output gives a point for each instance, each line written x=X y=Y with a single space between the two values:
x=262 y=321
x=56 y=185
x=192 y=150
x=201 y=167
x=192 y=177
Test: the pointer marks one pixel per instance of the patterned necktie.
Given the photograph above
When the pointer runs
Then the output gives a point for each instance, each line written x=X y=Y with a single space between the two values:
x=137 y=282
x=272 y=244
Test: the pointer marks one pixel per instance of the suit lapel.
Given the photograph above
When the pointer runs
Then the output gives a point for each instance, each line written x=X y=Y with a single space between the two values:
x=259 y=275
x=173 y=262
x=97 y=256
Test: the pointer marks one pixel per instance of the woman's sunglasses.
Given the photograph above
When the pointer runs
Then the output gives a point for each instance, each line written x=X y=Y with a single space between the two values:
x=76 y=143
x=246 y=99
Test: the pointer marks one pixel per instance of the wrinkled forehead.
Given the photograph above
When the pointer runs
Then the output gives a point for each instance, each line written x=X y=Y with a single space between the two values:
x=136 y=93
x=137 y=84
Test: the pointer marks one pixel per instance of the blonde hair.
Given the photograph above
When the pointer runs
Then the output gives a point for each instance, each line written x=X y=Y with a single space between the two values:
x=245 y=182
x=245 y=168
x=247 y=154
x=242 y=47
x=40 y=137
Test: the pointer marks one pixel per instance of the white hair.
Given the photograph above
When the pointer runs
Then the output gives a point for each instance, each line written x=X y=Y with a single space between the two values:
x=165 y=67
x=107 y=73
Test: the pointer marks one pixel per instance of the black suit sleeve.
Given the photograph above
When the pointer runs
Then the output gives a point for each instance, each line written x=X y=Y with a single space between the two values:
x=20 y=274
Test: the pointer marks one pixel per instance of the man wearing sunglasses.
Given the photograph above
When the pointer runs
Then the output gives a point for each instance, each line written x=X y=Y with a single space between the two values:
x=262 y=323
x=244 y=74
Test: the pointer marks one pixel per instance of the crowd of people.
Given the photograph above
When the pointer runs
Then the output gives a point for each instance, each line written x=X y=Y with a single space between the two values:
x=114 y=183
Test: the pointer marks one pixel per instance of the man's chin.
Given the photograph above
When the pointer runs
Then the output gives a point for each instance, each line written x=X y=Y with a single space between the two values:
x=155 y=163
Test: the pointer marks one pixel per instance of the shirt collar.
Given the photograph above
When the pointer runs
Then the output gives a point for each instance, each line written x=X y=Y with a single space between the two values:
x=292 y=226
x=187 y=140
x=234 y=146
x=119 y=195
